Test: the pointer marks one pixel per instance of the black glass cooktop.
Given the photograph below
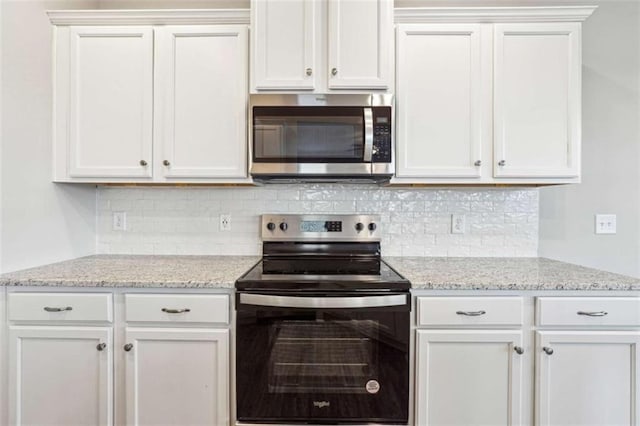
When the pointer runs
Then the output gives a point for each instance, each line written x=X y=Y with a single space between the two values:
x=312 y=274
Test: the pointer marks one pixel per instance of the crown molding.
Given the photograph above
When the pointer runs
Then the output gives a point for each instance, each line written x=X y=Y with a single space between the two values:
x=149 y=17
x=407 y=15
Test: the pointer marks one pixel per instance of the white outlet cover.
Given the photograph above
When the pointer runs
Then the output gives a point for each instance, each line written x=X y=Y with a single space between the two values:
x=119 y=221
x=606 y=224
x=458 y=223
x=225 y=222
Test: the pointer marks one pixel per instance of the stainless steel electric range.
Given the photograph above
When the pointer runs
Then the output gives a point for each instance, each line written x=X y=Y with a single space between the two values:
x=322 y=326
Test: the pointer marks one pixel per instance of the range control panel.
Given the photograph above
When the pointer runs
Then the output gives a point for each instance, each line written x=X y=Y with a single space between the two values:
x=381 y=135
x=276 y=227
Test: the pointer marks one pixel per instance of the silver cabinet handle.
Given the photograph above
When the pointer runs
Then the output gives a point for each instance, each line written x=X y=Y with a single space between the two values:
x=101 y=346
x=334 y=71
x=143 y=163
x=166 y=163
x=309 y=71
x=471 y=313
x=128 y=347
x=501 y=163
x=323 y=302
x=368 y=134
x=593 y=314
x=478 y=163
x=176 y=311
x=547 y=350
x=53 y=309
x=519 y=350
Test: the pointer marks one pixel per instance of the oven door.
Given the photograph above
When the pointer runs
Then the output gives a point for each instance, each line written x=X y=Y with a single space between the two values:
x=322 y=358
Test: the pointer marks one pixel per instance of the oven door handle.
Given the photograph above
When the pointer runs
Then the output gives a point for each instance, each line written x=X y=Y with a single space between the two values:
x=368 y=135
x=323 y=302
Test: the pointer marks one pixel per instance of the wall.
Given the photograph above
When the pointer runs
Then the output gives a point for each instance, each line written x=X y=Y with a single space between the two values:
x=611 y=150
x=415 y=222
x=41 y=222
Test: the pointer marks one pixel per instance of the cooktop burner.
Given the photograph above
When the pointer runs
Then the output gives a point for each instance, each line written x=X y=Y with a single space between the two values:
x=321 y=252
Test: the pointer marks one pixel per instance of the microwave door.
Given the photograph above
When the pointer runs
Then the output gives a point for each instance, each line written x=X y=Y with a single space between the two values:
x=312 y=135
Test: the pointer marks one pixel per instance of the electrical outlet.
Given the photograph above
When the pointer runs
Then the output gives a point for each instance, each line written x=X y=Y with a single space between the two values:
x=457 y=223
x=119 y=221
x=225 y=222
x=606 y=224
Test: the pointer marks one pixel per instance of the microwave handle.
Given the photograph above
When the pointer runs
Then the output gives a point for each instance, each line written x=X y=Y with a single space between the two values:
x=368 y=134
x=323 y=302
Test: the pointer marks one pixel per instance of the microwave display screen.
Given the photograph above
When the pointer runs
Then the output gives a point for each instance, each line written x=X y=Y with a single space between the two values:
x=382 y=120
x=308 y=134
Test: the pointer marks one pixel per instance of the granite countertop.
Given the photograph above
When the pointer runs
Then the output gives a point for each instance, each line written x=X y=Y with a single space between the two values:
x=136 y=271
x=509 y=273
x=429 y=273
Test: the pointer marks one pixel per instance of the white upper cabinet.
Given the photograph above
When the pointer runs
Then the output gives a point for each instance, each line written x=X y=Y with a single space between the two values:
x=439 y=127
x=141 y=97
x=110 y=90
x=360 y=44
x=284 y=44
x=201 y=93
x=537 y=100
x=488 y=95
x=321 y=45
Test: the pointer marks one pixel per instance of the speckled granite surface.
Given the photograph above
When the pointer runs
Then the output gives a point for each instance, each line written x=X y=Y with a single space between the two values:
x=136 y=271
x=507 y=273
x=431 y=273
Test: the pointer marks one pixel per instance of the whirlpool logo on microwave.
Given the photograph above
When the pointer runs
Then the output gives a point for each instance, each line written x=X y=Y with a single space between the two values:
x=321 y=404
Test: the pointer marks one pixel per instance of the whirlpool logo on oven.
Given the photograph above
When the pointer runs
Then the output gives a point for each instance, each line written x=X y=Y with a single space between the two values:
x=321 y=404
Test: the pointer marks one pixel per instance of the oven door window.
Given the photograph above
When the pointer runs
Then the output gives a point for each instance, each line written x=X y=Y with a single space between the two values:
x=308 y=134
x=325 y=365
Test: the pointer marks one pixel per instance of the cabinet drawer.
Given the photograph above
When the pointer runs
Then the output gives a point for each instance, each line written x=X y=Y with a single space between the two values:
x=588 y=311
x=469 y=311
x=64 y=307
x=177 y=308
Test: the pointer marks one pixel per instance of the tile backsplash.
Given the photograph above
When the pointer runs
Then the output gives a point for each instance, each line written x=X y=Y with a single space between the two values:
x=414 y=221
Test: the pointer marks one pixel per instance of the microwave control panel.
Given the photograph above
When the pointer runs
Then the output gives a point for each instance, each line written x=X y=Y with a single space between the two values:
x=381 y=135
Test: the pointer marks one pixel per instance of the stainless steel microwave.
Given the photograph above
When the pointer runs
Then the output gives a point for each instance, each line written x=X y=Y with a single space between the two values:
x=321 y=138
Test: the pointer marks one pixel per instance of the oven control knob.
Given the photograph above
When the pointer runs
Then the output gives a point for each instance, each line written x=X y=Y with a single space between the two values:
x=271 y=226
x=283 y=226
x=372 y=226
x=359 y=226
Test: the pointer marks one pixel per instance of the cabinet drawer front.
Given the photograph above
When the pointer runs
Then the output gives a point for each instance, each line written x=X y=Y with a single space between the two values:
x=469 y=311
x=177 y=308
x=65 y=307
x=588 y=311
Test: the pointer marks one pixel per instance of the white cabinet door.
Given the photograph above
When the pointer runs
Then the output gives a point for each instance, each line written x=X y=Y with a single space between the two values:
x=177 y=376
x=590 y=378
x=201 y=98
x=439 y=108
x=110 y=101
x=360 y=34
x=468 y=377
x=537 y=100
x=283 y=48
x=59 y=376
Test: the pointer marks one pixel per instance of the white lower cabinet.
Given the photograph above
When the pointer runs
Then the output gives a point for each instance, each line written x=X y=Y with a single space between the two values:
x=177 y=376
x=468 y=377
x=60 y=375
x=587 y=378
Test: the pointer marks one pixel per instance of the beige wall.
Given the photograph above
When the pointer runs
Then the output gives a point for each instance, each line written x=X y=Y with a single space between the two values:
x=41 y=222
x=611 y=150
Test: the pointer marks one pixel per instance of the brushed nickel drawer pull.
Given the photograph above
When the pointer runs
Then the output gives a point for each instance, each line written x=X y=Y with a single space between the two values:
x=519 y=350
x=175 y=311
x=593 y=314
x=101 y=346
x=51 y=309
x=471 y=313
x=128 y=347
x=547 y=350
